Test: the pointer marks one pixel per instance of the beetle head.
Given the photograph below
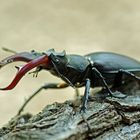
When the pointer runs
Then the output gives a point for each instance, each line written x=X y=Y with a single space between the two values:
x=58 y=62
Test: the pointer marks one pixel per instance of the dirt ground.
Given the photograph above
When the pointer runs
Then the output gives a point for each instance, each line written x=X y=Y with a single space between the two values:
x=76 y=26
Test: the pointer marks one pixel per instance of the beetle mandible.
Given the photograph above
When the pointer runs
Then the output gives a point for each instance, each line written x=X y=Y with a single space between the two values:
x=99 y=69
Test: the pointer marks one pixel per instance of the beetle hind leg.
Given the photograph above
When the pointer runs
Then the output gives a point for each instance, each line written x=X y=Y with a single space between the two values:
x=111 y=94
x=129 y=74
x=126 y=78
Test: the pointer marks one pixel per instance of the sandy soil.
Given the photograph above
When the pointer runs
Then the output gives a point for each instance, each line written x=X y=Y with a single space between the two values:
x=76 y=26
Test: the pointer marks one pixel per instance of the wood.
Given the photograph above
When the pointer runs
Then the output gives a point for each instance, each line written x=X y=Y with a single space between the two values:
x=105 y=119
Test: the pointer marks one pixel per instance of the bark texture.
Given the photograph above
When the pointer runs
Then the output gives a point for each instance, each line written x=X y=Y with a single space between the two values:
x=105 y=119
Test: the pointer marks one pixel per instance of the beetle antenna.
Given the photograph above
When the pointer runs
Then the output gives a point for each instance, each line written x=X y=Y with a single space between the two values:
x=9 y=50
x=35 y=72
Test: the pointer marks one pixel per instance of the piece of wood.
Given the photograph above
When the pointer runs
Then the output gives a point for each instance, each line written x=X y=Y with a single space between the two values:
x=105 y=119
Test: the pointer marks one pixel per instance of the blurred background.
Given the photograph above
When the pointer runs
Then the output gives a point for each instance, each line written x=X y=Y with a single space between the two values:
x=77 y=26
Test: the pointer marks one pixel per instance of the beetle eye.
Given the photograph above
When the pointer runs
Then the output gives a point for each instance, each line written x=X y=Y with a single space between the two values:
x=57 y=60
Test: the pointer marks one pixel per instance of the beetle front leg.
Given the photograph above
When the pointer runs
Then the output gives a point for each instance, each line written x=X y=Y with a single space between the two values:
x=86 y=95
x=46 y=86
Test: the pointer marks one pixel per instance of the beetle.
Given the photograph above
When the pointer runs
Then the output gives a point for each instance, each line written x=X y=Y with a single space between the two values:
x=98 y=69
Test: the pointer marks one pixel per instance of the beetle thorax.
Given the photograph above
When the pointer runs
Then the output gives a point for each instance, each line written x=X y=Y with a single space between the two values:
x=72 y=69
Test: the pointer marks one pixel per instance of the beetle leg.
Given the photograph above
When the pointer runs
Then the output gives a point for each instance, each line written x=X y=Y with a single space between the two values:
x=77 y=94
x=129 y=74
x=86 y=95
x=103 y=80
x=118 y=78
x=46 y=86
x=35 y=72
x=120 y=95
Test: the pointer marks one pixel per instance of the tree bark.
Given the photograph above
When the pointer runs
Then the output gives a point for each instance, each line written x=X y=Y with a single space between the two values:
x=105 y=119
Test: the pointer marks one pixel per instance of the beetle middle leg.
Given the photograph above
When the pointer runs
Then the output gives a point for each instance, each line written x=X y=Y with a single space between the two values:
x=46 y=86
x=106 y=85
x=103 y=80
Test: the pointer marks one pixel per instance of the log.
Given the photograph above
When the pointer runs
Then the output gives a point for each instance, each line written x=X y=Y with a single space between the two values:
x=105 y=119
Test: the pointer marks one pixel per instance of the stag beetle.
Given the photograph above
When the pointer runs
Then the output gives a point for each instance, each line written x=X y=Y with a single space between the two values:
x=99 y=69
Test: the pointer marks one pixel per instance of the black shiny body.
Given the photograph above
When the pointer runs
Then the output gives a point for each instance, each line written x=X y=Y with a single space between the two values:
x=100 y=69
x=109 y=64
x=75 y=69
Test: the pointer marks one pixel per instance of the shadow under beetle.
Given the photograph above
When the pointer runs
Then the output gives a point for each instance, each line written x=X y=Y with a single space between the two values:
x=99 y=69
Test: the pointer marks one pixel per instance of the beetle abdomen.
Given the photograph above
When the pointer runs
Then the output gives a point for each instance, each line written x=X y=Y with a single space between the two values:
x=108 y=62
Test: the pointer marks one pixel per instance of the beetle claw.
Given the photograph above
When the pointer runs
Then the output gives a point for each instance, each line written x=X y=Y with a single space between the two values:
x=41 y=61
x=24 y=56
